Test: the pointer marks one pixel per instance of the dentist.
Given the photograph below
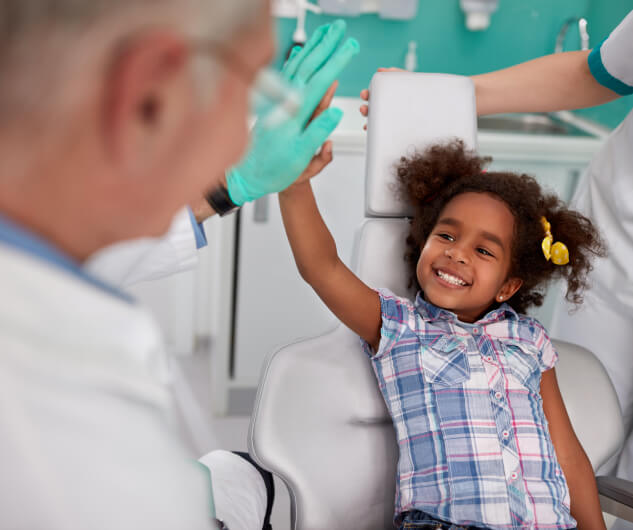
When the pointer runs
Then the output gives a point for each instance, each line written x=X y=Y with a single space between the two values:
x=113 y=115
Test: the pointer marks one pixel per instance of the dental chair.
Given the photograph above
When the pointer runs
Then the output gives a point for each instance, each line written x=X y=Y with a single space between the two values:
x=319 y=422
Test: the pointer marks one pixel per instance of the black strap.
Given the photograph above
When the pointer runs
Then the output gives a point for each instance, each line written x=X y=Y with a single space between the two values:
x=220 y=200
x=270 y=487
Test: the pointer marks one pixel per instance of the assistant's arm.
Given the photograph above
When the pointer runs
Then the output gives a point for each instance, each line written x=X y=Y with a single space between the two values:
x=561 y=81
x=585 y=505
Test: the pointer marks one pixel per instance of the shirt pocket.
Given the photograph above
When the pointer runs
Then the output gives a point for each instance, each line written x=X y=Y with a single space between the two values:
x=445 y=361
x=523 y=360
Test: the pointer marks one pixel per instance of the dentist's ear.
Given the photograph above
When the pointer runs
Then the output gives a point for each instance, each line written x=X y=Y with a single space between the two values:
x=147 y=99
x=508 y=289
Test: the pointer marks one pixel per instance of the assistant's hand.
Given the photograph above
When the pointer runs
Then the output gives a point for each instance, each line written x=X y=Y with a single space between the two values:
x=364 y=94
x=278 y=155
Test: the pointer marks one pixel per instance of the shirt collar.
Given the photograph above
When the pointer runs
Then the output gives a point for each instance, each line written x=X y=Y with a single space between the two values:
x=431 y=312
x=22 y=239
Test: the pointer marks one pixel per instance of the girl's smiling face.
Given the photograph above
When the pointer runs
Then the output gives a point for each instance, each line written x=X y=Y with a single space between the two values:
x=465 y=262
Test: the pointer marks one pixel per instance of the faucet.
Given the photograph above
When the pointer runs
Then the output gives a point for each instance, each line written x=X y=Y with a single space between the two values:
x=582 y=29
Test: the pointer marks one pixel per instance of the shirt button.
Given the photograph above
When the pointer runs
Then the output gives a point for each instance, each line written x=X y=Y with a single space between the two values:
x=514 y=475
x=489 y=359
x=505 y=434
x=498 y=395
x=493 y=315
x=476 y=331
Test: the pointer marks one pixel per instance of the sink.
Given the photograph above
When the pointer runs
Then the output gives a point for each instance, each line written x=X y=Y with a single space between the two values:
x=530 y=124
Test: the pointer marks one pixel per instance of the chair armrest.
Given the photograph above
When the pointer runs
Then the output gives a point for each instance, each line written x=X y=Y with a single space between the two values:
x=616 y=496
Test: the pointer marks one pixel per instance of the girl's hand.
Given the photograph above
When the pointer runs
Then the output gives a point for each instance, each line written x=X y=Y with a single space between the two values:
x=316 y=165
x=324 y=156
x=364 y=94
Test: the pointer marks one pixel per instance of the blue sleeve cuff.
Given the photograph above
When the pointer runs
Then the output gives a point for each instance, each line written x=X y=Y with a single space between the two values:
x=601 y=74
x=198 y=230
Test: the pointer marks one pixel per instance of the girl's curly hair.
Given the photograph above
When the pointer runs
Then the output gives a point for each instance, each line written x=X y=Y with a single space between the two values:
x=429 y=180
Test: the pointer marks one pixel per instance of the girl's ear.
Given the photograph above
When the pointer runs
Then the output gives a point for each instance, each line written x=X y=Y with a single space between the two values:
x=511 y=286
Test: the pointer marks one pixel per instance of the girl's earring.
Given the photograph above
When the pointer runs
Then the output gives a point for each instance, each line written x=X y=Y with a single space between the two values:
x=500 y=298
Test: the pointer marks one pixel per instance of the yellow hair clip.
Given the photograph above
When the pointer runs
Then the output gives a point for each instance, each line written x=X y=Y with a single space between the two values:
x=557 y=252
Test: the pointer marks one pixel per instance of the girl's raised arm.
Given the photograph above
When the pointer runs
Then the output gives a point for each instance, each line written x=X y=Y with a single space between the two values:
x=352 y=301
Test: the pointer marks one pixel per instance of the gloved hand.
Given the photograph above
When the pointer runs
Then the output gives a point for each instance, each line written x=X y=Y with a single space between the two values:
x=279 y=154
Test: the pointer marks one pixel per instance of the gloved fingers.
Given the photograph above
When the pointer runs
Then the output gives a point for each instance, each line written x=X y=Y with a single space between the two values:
x=294 y=61
x=314 y=59
x=320 y=82
x=317 y=132
x=293 y=53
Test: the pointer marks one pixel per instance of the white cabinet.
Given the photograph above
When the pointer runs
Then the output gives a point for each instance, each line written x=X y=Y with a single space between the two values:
x=559 y=178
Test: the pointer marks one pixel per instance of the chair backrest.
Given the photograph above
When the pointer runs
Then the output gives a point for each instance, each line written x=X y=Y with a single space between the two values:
x=408 y=112
x=320 y=422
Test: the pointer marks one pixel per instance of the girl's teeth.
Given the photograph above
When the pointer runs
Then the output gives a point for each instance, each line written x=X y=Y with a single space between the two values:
x=450 y=279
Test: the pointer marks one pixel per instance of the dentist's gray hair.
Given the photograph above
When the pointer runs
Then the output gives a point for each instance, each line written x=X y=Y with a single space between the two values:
x=50 y=49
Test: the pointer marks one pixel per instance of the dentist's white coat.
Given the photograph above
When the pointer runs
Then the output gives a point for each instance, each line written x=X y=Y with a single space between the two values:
x=86 y=437
x=130 y=262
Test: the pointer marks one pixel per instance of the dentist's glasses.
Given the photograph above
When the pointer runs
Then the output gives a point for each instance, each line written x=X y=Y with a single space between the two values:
x=273 y=100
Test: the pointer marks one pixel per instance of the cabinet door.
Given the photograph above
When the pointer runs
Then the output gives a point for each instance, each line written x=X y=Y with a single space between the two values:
x=274 y=305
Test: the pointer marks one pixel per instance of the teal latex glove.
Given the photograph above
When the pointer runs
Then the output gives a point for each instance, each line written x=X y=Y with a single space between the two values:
x=278 y=155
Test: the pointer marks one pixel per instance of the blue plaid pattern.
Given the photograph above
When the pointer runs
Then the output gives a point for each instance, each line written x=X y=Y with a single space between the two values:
x=464 y=399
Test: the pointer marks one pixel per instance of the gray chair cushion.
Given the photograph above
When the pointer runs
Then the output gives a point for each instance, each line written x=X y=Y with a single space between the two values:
x=591 y=402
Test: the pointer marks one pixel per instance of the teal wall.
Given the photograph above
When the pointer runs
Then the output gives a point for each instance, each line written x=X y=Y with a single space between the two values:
x=520 y=30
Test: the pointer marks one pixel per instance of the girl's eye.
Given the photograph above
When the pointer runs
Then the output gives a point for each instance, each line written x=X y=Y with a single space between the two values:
x=484 y=252
x=448 y=237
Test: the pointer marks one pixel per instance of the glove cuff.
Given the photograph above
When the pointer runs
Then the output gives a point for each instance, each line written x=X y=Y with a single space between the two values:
x=235 y=187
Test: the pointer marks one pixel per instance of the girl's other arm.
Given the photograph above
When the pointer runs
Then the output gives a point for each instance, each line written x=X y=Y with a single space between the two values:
x=314 y=250
x=585 y=505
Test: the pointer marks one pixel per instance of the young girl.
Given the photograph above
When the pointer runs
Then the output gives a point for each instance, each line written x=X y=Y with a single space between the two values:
x=484 y=437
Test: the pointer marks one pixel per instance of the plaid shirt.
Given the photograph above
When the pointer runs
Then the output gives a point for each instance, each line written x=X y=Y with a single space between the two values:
x=464 y=398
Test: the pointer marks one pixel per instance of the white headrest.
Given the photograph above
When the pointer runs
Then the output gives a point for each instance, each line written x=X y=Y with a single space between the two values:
x=409 y=111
